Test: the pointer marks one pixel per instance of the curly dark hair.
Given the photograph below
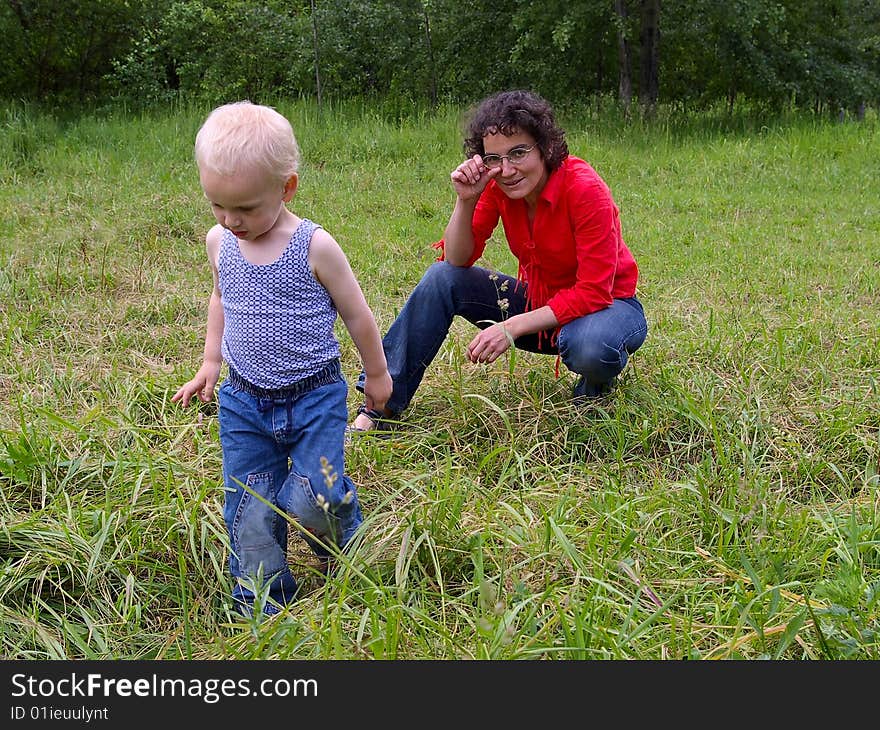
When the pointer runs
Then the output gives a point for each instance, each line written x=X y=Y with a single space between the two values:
x=509 y=112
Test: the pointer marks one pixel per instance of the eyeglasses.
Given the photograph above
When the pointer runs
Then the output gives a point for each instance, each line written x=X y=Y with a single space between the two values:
x=516 y=156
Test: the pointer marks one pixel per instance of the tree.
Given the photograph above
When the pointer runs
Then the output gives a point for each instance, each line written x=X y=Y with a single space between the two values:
x=62 y=50
x=823 y=54
x=429 y=47
x=317 y=63
x=624 y=56
x=649 y=55
x=196 y=50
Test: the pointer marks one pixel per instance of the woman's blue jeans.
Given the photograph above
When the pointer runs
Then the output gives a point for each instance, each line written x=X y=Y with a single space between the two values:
x=595 y=346
x=288 y=451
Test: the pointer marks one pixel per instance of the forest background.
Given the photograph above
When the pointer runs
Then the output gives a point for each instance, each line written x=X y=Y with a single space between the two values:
x=809 y=53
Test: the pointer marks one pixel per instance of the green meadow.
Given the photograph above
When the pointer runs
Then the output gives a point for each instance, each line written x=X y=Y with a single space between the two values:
x=722 y=503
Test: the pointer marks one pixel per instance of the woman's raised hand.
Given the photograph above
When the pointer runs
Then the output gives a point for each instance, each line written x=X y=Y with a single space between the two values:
x=471 y=177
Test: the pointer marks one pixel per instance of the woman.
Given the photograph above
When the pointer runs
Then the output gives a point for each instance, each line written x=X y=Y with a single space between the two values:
x=574 y=295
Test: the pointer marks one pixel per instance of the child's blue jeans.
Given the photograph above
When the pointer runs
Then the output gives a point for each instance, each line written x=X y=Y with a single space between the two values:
x=283 y=449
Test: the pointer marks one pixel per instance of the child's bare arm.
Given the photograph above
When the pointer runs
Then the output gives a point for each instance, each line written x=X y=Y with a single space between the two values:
x=332 y=269
x=205 y=380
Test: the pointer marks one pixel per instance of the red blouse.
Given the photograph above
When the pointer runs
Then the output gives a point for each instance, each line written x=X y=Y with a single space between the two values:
x=572 y=257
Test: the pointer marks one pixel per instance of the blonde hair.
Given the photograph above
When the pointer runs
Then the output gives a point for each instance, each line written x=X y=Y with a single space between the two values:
x=242 y=134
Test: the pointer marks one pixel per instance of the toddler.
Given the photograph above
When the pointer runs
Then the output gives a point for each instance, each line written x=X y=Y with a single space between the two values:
x=279 y=282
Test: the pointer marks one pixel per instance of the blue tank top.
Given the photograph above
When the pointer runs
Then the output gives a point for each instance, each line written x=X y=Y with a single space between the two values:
x=278 y=319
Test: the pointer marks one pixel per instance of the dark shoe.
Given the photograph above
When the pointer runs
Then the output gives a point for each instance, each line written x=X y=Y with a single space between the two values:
x=584 y=391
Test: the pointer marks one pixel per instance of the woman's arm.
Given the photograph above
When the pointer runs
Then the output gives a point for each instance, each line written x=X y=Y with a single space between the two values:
x=469 y=180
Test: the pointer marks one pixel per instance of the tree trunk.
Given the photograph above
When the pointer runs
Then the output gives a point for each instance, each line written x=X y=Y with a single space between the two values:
x=649 y=77
x=431 y=68
x=317 y=66
x=624 y=63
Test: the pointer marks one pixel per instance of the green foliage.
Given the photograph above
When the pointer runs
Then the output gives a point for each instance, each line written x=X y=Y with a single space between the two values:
x=60 y=50
x=414 y=53
x=195 y=51
x=563 y=35
x=813 y=53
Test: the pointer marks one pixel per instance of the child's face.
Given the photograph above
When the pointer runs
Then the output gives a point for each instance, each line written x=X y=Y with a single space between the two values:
x=248 y=203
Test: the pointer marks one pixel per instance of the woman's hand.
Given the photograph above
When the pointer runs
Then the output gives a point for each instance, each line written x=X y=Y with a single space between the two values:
x=490 y=343
x=471 y=177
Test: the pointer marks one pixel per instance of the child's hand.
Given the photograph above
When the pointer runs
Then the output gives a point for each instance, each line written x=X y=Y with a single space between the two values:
x=202 y=385
x=377 y=390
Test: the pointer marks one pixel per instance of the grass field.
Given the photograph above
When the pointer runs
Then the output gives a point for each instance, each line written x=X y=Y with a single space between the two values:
x=722 y=503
